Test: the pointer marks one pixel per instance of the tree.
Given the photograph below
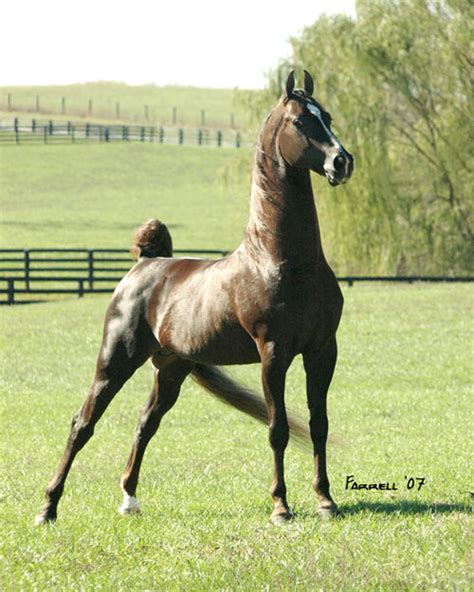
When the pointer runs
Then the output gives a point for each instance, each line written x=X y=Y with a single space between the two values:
x=398 y=80
x=420 y=53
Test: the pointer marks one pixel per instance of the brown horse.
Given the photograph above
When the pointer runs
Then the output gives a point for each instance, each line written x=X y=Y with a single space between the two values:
x=273 y=298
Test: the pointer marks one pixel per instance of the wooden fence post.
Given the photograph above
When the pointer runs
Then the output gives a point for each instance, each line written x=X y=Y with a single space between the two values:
x=90 y=109
x=80 y=290
x=162 y=135
x=73 y=133
x=27 y=269
x=237 y=140
x=180 y=135
x=63 y=105
x=152 y=134
x=219 y=138
x=142 y=134
x=11 y=291
x=45 y=134
x=50 y=127
x=16 y=128
x=33 y=126
x=88 y=129
x=200 y=137
x=90 y=268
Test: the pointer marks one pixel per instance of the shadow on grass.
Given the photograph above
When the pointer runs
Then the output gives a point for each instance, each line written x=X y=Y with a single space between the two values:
x=404 y=507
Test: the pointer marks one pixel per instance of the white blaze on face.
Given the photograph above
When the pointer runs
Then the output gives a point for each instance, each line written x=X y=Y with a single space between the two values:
x=314 y=110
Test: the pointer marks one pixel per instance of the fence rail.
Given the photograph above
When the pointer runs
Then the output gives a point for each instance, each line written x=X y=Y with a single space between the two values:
x=46 y=271
x=191 y=114
x=38 y=131
x=86 y=271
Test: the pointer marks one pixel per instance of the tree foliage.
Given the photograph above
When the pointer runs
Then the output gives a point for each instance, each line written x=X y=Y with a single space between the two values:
x=398 y=81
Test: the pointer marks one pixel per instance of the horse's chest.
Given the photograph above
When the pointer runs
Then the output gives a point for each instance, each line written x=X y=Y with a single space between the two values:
x=304 y=306
x=297 y=305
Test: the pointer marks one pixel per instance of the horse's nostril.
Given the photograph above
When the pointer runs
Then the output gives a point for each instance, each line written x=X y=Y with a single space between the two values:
x=339 y=163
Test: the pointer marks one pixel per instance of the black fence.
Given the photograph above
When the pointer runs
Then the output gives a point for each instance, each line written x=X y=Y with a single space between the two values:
x=38 y=131
x=68 y=271
x=40 y=272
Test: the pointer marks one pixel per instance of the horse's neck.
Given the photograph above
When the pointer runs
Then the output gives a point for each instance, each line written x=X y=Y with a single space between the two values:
x=283 y=223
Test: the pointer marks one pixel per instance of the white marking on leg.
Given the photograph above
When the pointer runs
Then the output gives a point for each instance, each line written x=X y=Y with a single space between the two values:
x=129 y=505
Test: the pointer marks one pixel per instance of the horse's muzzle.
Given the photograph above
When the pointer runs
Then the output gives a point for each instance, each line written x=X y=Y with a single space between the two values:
x=339 y=169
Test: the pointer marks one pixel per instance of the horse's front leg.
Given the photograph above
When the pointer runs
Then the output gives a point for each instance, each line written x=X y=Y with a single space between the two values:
x=274 y=367
x=319 y=366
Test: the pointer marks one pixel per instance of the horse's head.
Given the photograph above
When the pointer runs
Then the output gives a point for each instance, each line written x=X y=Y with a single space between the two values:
x=305 y=139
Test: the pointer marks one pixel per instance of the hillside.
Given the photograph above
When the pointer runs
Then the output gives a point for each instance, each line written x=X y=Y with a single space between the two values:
x=95 y=195
x=119 y=102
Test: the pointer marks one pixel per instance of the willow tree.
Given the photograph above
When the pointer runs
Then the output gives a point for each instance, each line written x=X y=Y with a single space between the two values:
x=399 y=80
x=421 y=54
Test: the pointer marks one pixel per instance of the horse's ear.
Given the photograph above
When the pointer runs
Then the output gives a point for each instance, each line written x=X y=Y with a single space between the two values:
x=308 y=84
x=290 y=84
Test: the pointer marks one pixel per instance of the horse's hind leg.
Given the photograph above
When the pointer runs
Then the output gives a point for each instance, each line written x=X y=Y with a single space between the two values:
x=169 y=376
x=115 y=366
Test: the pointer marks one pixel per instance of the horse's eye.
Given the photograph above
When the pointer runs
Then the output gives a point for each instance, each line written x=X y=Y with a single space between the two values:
x=297 y=123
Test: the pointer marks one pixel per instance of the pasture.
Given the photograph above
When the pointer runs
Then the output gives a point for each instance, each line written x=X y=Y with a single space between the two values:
x=400 y=406
x=96 y=195
x=221 y=106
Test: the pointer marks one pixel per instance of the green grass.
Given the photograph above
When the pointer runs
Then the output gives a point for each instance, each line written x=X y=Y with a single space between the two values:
x=221 y=106
x=96 y=195
x=400 y=404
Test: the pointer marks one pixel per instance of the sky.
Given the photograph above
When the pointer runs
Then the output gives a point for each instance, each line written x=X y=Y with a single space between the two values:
x=210 y=43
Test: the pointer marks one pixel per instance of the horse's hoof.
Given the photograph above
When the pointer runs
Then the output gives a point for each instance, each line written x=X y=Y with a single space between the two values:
x=129 y=505
x=281 y=517
x=329 y=511
x=44 y=518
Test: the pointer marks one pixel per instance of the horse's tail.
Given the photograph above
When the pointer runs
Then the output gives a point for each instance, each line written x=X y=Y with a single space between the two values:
x=152 y=239
x=221 y=385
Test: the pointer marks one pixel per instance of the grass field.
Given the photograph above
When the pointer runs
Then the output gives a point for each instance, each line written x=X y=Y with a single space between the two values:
x=221 y=106
x=400 y=405
x=96 y=195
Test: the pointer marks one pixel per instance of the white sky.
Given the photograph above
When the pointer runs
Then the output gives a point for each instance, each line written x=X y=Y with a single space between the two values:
x=201 y=43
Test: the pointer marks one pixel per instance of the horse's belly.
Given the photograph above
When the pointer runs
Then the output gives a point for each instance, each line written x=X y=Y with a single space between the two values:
x=208 y=339
x=232 y=345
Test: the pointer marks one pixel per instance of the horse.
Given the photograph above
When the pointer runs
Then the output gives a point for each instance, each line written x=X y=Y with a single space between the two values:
x=271 y=299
